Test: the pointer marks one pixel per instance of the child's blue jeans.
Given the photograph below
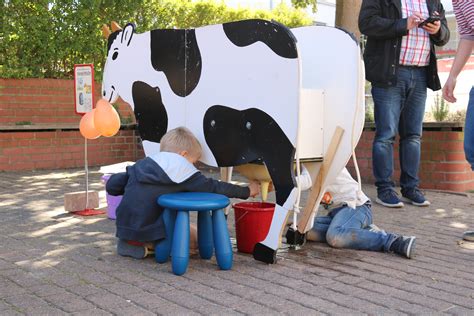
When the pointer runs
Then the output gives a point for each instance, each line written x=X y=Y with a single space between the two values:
x=345 y=227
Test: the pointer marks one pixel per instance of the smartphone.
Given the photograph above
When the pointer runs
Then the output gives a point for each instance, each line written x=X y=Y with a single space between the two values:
x=431 y=19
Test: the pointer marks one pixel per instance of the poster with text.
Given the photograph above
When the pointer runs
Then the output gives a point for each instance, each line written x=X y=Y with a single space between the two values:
x=83 y=88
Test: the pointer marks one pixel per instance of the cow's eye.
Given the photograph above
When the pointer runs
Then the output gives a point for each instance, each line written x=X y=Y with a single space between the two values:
x=114 y=56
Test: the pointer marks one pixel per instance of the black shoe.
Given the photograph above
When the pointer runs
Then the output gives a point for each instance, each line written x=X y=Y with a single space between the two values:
x=404 y=246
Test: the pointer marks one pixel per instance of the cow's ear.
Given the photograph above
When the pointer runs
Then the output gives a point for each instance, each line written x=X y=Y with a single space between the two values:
x=127 y=33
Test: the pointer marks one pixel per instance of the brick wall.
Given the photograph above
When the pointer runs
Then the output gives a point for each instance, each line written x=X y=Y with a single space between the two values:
x=52 y=139
x=443 y=165
x=43 y=101
x=33 y=150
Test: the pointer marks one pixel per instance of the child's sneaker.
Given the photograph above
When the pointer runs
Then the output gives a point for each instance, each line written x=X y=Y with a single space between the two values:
x=415 y=197
x=126 y=249
x=389 y=198
x=404 y=246
x=468 y=235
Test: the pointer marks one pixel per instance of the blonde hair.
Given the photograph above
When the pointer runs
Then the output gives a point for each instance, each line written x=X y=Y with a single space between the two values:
x=179 y=139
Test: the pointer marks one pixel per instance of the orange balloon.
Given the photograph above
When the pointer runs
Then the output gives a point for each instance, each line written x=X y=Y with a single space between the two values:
x=106 y=118
x=87 y=127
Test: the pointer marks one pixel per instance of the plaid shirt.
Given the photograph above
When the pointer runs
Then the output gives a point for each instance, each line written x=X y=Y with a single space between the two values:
x=415 y=48
x=464 y=11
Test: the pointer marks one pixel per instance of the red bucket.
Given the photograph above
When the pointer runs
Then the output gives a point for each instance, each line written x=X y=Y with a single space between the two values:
x=252 y=222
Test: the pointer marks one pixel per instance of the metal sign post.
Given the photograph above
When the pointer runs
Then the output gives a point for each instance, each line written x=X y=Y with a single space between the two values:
x=84 y=103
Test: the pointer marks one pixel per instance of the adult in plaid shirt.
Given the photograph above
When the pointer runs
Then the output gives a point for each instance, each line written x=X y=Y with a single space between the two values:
x=400 y=62
x=464 y=12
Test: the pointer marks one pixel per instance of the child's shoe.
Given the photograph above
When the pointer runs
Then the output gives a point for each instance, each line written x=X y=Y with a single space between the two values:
x=404 y=246
x=124 y=248
x=468 y=235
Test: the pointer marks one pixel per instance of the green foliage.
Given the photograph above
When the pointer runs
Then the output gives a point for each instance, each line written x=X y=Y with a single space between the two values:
x=369 y=112
x=440 y=109
x=44 y=39
x=458 y=116
x=369 y=104
x=305 y=3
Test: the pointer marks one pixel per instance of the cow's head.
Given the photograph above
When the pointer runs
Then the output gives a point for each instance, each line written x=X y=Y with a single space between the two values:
x=118 y=61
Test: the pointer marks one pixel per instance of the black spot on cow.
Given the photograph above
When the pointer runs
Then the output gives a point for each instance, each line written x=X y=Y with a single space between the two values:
x=276 y=36
x=176 y=53
x=150 y=113
x=238 y=137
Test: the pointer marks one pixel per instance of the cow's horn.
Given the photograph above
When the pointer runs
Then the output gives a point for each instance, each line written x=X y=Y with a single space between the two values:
x=115 y=26
x=105 y=31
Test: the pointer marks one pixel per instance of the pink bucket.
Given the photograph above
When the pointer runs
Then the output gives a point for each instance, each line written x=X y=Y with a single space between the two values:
x=112 y=201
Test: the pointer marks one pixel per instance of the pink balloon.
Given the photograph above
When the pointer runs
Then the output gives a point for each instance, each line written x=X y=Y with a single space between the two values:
x=87 y=126
x=106 y=118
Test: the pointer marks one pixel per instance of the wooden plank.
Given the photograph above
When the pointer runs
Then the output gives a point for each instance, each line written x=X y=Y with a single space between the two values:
x=316 y=191
x=226 y=176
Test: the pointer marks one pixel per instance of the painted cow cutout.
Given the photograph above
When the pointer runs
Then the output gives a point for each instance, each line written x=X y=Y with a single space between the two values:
x=237 y=87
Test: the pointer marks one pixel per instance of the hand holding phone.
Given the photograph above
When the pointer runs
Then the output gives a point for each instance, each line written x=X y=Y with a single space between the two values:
x=431 y=19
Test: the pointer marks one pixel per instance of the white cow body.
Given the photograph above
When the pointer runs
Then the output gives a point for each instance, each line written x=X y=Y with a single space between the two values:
x=253 y=76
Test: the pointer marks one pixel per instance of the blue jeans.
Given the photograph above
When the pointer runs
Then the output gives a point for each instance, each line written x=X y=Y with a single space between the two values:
x=399 y=109
x=469 y=130
x=345 y=227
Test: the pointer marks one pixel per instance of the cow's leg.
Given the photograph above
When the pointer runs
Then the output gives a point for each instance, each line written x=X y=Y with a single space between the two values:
x=238 y=137
x=280 y=169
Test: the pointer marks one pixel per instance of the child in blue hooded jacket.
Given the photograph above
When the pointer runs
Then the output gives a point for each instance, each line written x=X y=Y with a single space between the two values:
x=139 y=222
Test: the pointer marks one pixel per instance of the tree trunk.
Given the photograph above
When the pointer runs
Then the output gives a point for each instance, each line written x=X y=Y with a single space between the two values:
x=347 y=15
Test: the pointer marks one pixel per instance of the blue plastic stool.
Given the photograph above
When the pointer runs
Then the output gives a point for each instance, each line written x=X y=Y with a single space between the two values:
x=212 y=231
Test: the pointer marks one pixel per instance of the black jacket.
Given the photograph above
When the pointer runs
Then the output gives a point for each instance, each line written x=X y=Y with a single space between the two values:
x=139 y=215
x=381 y=21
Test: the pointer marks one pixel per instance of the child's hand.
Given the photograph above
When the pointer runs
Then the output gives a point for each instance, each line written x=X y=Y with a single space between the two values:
x=254 y=188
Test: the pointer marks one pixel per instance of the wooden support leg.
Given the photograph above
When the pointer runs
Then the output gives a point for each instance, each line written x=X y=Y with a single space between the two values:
x=226 y=175
x=317 y=191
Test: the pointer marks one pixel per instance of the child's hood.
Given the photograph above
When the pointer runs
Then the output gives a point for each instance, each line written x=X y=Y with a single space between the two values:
x=173 y=168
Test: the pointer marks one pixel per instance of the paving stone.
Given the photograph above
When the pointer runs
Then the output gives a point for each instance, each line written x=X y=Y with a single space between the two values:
x=48 y=310
x=70 y=303
x=26 y=301
x=148 y=300
x=92 y=312
x=457 y=310
x=132 y=310
x=122 y=289
x=85 y=290
x=46 y=290
x=8 y=288
x=212 y=309
x=108 y=301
